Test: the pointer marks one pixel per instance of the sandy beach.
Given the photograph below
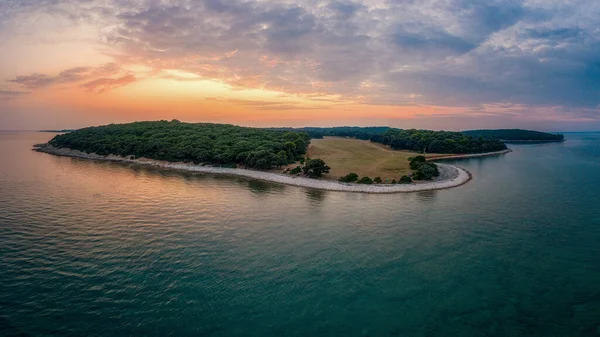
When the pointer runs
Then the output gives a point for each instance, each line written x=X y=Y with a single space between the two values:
x=450 y=175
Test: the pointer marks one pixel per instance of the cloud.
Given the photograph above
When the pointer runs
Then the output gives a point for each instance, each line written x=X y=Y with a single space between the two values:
x=105 y=84
x=34 y=81
x=429 y=52
x=6 y=95
x=97 y=79
x=269 y=104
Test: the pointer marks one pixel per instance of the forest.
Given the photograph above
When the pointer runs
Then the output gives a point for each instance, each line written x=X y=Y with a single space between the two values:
x=187 y=142
x=426 y=141
x=516 y=135
x=261 y=148
x=364 y=133
x=413 y=140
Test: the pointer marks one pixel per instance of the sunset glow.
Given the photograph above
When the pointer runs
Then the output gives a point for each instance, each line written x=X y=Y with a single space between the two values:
x=430 y=64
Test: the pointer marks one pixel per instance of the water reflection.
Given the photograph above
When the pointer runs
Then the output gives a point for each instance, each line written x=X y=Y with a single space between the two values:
x=316 y=197
x=480 y=162
x=113 y=245
x=260 y=187
x=427 y=196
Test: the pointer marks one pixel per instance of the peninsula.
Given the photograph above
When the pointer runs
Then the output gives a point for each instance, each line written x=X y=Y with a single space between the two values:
x=373 y=159
x=517 y=135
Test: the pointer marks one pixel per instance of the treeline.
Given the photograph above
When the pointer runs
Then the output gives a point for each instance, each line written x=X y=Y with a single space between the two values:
x=516 y=135
x=412 y=140
x=198 y=143
x=437 y=141
x=364 y=133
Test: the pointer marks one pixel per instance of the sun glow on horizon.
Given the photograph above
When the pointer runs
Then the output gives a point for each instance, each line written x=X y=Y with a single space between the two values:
x=270 y=62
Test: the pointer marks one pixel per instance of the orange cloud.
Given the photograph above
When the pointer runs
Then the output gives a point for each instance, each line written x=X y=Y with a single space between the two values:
x=104 y=84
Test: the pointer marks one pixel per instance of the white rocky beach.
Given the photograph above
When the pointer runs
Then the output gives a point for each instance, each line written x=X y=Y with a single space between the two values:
x=450 y=175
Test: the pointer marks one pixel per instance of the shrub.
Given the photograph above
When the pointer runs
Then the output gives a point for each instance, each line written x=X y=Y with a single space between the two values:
x=350 y=177
x=426 y=171
x=296 y=170
x=394 y=181
x=405 y=180
x=365 y=180
x=377 y=180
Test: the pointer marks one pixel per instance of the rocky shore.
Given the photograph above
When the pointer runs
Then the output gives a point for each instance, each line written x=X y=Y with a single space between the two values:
x=450 y=176
x=473 y=155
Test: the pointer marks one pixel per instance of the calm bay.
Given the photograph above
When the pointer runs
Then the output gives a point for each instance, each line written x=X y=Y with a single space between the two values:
x=109 y=249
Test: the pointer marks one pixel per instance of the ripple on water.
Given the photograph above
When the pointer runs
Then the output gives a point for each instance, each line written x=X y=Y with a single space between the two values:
x=108 y=249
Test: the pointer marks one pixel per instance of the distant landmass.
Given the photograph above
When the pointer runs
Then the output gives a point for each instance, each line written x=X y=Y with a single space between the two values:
x=58 y=131
x=387 y=154
x=516 y=135
x=282 y=155
x=261 y=148
x=357 y=155
x=376 y=134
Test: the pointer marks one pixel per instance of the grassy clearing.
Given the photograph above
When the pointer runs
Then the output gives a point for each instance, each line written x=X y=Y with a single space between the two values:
x=345 y=155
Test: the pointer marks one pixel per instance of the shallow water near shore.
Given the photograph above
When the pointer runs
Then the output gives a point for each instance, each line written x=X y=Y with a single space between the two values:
x=109 y=249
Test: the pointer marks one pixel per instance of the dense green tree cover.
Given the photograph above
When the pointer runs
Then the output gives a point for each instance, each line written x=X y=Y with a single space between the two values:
x=357 y=132
x=187 y=142
x=412 y=140
x=315 y=168
x=365 y=180
x=423 y=170
x=415 y=162
x=350 y=177
x=437 y=141
x=516 y=135
x=426 y=171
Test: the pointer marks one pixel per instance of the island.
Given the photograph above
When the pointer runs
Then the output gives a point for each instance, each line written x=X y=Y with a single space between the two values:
x=517 y=135
x=352 y=159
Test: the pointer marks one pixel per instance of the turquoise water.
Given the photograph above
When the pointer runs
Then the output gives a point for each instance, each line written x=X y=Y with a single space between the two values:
x=105 y=249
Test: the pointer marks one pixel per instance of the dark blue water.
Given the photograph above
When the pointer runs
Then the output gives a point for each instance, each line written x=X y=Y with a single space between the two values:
x=105 y=249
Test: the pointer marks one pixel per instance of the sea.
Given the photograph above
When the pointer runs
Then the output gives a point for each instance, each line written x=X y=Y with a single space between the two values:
x=110 y=249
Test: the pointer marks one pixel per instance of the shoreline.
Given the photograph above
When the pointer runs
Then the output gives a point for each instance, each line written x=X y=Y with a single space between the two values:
x=527 y=141
x=472 y=155
x=451 y=176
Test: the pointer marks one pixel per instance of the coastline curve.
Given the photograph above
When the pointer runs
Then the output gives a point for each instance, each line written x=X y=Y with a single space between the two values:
x=452 y=176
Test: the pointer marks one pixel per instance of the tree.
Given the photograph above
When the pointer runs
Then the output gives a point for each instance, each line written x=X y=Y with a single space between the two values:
x=350 y=177
x=405 y=180
x=437 y=141
x=426 y=171
x=415 y=162
x=281 y=159
x=394 y=181
x=296 y=170
x=205 y=143
x=365 y=180
x=315 y=168
x=377 y=180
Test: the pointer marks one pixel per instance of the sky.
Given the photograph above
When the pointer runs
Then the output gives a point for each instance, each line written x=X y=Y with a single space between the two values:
x=433 y=64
